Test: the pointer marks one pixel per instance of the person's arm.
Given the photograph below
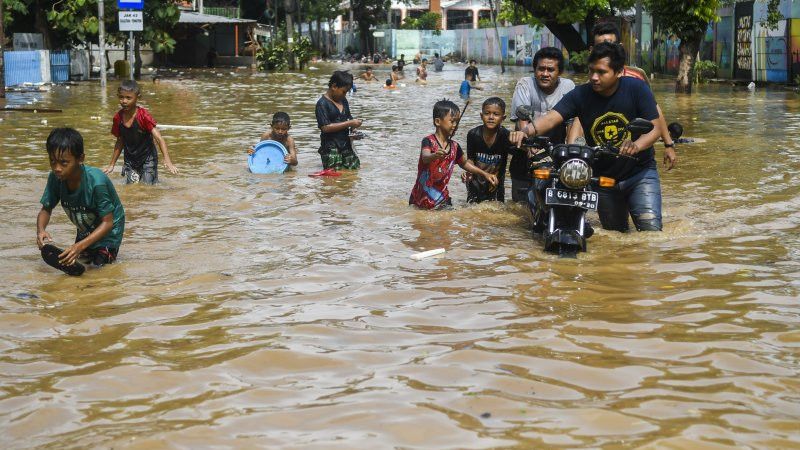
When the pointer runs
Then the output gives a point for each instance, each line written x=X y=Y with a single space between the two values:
x=70 y=255
x=114 y=156
x=540 y=125
x=631 y=148
x=574 y=131
x=467 y=165
x=163 y=146
x=339 y=126
x=670 y=157
x=41 y=224
x=291 y=158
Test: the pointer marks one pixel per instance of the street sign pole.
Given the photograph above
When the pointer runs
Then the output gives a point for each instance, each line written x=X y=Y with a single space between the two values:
x=131 y=53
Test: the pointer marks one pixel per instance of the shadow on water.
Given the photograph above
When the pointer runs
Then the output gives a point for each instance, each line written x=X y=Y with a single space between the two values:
x=283 y=311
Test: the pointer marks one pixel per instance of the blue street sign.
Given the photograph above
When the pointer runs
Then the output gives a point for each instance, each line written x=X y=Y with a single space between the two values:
x=130 y=4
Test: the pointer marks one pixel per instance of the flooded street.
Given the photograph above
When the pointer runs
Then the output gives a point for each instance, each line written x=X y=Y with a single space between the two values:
x=263 y=311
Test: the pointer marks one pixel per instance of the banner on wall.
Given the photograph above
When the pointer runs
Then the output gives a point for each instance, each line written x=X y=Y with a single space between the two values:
x=743 y=63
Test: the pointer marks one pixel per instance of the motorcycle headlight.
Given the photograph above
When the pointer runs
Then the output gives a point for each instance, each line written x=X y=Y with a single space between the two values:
x=575 y=174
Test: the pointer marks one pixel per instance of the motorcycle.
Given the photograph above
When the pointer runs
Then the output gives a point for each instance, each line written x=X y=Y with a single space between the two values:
x=563 y=195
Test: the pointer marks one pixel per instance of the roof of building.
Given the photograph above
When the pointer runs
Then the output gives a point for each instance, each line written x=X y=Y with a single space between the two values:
x=196 y=17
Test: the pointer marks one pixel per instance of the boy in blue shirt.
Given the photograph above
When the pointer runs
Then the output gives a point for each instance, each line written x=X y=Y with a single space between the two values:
x=466 y=86
x=90 y=201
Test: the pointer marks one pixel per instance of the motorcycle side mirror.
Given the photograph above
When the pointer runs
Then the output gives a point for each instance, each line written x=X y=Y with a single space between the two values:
x=640 y=126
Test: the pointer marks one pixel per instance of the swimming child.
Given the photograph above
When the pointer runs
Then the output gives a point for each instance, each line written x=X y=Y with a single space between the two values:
x=487 y=148
x=135 y=130
x=90 y=201
x=281 y=124
x=466 y=87
x=437 y=158
x=389 y=84
x=335 y=123
x=368 y=75
x=422 y=72
x=676 y=131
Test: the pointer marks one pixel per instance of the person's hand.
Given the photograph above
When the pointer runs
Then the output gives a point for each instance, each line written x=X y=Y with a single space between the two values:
x=491 y=178
x=629 y=148
x=466 y=177
x=108 y=169
x=355 y=123
x=670 y=158
x=290 y=159
x=42 y=237
x=440 y=154
x=171 y=167
x=70 y=255
x=516 y=136
x=251 y=150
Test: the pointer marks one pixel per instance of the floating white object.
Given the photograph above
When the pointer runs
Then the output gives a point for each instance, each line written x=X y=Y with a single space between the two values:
x=95 y=117
x=44 y=121
x=428 y=254
x=186 y=127
x=751 y=86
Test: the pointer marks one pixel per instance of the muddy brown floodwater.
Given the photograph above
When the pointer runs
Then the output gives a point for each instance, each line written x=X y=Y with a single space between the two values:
x=254 y=311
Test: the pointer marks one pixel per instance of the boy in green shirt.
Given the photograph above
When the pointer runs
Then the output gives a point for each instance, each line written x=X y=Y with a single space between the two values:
x=90 y=201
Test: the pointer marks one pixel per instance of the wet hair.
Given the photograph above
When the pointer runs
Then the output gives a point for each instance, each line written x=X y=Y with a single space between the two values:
x=605 y=28
x=444 y=107
x=473 y=61
x=394 y=67
x=436 y=55
x=424 y=59
x=281 y=117
x=388 y=81
x=497 y=101
x=368 y=68
x=341 y=78
x=65 y=139
x=549 y=53
x=129 y=86
x=675 y=130
x=614 y=52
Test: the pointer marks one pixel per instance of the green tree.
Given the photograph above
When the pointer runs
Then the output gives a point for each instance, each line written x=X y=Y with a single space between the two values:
x=559 y=16
x=367 y=13
x=427 y=21
x=688 y=21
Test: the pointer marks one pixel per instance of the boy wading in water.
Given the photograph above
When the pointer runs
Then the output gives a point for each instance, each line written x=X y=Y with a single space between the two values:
x=136 y=133
x=279 y=132
x=89 y=199
x=438 y=156
x=335 y=122
x=487 y=147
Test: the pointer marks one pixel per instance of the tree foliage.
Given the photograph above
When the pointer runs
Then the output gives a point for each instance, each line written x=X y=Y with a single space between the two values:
x=75 y=21
x=427 y=21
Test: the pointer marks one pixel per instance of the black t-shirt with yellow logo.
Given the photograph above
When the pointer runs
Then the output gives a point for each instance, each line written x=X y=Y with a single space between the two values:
x=602 y=117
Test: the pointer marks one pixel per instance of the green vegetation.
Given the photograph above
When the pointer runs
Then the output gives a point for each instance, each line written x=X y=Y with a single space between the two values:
x=704 y=70
x=427 y=21
x=579 y=60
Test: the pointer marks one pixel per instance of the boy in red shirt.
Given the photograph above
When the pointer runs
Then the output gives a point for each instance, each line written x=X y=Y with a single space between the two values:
x=136 y=133
x=438 y=156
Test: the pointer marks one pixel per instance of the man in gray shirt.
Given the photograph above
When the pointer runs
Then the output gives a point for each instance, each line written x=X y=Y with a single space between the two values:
x=438 y=63
x=540 y=93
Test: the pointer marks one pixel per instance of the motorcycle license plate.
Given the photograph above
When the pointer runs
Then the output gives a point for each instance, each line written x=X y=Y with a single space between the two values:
x=580 y=199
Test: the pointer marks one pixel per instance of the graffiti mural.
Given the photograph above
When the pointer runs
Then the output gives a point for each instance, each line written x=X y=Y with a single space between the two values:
x=794 y=50
x=744 y=41
x=723 y=42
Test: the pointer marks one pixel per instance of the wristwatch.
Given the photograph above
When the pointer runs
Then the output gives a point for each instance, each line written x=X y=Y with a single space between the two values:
x=670 y=145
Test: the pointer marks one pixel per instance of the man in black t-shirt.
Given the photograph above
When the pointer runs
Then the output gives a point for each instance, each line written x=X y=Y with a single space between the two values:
x=605 y=106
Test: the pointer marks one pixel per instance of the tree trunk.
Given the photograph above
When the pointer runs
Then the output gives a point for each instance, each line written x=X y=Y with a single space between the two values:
x=40 y=24
x=570 y=38
x=2 y=56
x=688 y=56
x=497 y=37
x=289 y=7
x=319 y=37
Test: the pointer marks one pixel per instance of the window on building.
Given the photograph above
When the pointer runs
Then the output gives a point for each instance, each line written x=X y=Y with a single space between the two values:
x=459 y=18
